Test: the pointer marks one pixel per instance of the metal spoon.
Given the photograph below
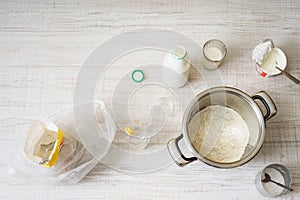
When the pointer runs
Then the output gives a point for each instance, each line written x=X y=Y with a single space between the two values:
x=268 y=179
x=288 y=75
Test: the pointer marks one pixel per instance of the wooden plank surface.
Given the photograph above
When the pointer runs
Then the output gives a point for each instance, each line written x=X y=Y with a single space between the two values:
x=44 y=44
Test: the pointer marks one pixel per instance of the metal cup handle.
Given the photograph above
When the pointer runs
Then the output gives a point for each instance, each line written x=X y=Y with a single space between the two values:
x=179 y=158
x=268 y=104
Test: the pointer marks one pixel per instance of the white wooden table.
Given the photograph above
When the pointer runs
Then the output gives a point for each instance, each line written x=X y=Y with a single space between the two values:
x=43 y=45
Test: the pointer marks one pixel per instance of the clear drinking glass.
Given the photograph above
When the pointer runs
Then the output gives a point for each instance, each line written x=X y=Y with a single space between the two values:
x=214 y=51
x=277 y=173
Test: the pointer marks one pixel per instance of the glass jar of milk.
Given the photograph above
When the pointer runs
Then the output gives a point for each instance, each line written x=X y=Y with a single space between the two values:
x=214 y=51
x=176 y=67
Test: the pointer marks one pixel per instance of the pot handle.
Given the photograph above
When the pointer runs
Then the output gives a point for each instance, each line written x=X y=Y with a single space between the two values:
x=268 y=103
x=173 y=148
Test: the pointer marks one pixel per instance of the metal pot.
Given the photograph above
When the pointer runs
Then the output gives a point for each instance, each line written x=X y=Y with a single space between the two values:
x=237 y=100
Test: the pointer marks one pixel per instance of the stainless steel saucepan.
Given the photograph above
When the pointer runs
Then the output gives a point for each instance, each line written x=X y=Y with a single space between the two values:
x=248 y=108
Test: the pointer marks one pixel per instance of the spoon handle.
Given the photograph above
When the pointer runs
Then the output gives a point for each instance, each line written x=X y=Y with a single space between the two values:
x=281 y=185
x=288 y=75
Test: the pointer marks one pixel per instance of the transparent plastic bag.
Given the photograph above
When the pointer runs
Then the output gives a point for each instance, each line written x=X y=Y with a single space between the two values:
x=84 y=144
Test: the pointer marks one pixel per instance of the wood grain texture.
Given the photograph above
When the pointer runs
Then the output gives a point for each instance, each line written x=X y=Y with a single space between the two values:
x=43 y=45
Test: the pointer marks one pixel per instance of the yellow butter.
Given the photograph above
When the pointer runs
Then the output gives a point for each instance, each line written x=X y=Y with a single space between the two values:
x=53 y=158
x=129 y=130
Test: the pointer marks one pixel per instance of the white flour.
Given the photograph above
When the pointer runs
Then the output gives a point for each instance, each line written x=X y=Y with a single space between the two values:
x=220 y=134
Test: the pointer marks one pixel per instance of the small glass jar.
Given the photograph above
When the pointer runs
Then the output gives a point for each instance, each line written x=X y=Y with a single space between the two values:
x=278 y=173
x=214 y=52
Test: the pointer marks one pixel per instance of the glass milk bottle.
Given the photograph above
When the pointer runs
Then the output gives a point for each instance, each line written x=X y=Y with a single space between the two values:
x=176 y=67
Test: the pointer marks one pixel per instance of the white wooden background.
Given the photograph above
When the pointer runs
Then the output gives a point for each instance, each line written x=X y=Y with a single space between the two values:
x=43 y=44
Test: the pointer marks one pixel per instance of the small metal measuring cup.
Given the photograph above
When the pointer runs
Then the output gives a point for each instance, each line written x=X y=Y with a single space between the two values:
x=274 y=180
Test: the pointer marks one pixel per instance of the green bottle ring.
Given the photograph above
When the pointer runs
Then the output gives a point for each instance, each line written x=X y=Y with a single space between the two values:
x=138 y=80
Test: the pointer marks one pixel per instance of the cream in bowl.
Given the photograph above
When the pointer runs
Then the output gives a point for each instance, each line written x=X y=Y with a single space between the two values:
x=267 y=57
x=276 y=57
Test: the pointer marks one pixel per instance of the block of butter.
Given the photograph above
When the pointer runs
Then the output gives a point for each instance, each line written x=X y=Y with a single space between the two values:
x=43 y=143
